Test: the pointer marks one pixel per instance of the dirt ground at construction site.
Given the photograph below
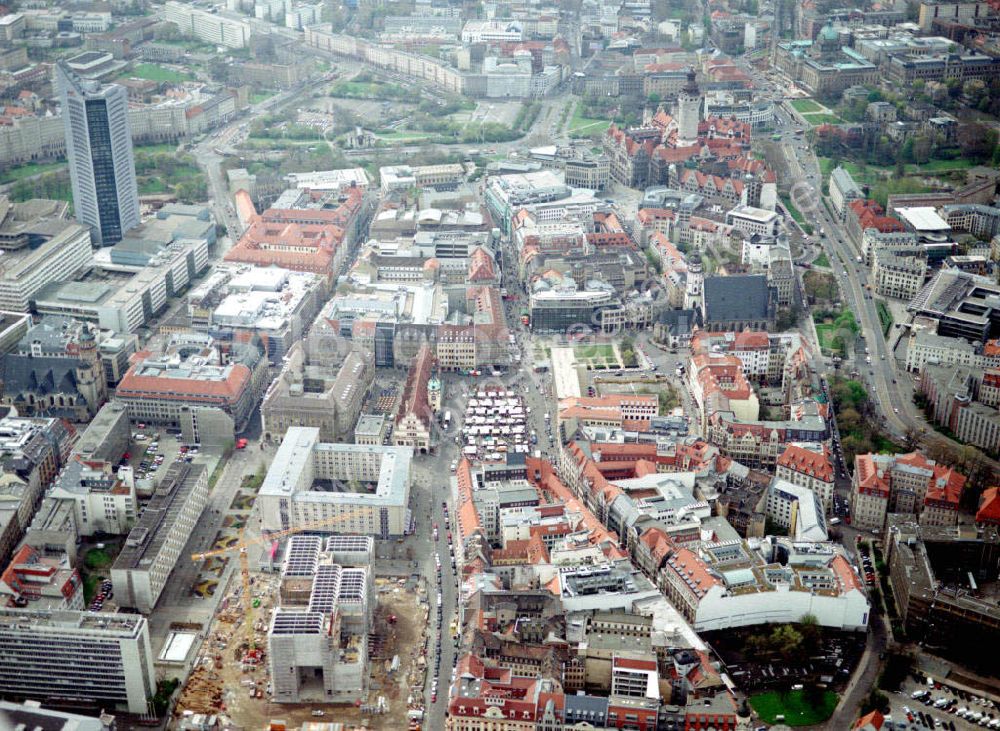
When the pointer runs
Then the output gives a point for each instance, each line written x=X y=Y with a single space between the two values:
x=222 y=683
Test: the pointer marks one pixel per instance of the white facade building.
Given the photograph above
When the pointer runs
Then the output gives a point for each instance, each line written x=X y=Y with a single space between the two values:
x=102 y=502
x=287 y=498
x=492 y=31
x=209 y=27
x=101 y=659
x=732 y=585
x=927 y=347
x=23 y=274
x=752 y=220
x=796 y=508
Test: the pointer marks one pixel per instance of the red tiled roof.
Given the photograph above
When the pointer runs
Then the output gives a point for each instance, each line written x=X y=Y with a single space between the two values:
x=630 y=663
x=945 y=487
x=849 y=580
x=989 y=507
x=871 y=215
x=302 y=239
x=867 y=477
x=647 y=215
x=228 y=390
x=808 y=462
x=873 y=720
x=751 y=339
x=481 y=267
x=414 y=400
x=693 y=570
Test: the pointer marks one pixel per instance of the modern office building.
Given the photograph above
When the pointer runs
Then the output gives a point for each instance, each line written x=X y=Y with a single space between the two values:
x=99 y=148
x=932 y=570
x=208 y=25
x=154 y=546
x=99 y=659
x=31 y=715
x=321 y=629
x=345 y=488
x=40 y=246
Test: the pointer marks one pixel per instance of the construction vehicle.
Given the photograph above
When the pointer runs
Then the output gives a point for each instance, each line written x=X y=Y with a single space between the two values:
x=241 y=546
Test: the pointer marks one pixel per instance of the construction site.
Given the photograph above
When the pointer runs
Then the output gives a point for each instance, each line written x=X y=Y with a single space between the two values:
x=231 y=677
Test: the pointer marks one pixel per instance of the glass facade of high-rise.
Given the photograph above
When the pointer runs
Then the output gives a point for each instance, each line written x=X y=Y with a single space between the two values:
x=101 y=163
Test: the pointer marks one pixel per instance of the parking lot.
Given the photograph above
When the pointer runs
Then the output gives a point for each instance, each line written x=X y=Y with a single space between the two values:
x=867 y=565
x=830 y=663
x=941 y=707
x=149 y=450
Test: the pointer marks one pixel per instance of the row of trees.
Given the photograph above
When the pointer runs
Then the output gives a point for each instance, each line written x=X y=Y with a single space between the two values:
x=857 y=419
x=785 y=641
x=973 y=141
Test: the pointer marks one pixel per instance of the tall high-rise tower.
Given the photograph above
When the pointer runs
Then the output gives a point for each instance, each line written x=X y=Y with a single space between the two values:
x=99 y=148
x=688 y=112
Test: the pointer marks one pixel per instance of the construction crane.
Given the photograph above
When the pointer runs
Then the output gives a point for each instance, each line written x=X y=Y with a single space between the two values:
x=243 y=543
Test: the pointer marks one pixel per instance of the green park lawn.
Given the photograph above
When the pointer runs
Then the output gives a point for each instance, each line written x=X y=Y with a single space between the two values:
x=96 y=563
x=152 y=149
x=831 y=334
x=259 y=96
x=581 y=126
x=884 y=316
x=402 y=136
x=822 y=261
x=155 y=72
x=872 y=174
x=822 y=118
x=20 y=172
x=794 y=707
x=805 y=106
x=596 y=352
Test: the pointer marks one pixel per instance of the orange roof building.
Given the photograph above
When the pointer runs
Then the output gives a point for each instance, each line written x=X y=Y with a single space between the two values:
x=904 y=483
x=33 y=581
x=158 y=388
x=632 y=411
x=989 y=507
x=810 y=469
x=302 y=239
x=415 y=417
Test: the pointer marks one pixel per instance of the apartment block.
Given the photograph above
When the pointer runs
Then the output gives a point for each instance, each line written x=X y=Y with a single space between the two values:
x=903 y=483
